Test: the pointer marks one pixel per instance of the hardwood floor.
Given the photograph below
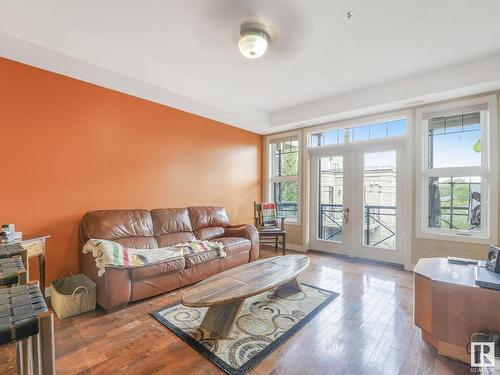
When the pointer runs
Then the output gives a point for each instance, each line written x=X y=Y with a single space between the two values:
x=368 y=329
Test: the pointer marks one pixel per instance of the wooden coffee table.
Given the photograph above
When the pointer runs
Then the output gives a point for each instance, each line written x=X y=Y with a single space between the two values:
x=225 y=292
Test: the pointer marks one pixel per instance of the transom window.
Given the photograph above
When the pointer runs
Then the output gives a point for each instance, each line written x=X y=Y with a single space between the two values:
x=285 y=177
x=367 y=132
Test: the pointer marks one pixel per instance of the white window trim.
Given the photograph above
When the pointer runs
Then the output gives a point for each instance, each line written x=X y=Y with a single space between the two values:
x=269 y=179
x=488 y=172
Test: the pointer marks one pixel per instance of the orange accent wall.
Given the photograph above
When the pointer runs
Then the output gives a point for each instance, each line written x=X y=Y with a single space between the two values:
x=68 y=147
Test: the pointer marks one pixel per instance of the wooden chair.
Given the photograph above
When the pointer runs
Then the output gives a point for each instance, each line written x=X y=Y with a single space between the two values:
x=270 y=235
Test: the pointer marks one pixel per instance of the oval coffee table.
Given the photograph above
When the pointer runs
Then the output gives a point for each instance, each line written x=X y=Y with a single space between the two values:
x=225 y=293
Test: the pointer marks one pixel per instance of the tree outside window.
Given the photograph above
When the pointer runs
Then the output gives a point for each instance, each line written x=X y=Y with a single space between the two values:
x=285 y=177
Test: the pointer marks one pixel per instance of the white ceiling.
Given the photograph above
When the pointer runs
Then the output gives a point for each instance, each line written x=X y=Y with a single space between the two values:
x=319 y=66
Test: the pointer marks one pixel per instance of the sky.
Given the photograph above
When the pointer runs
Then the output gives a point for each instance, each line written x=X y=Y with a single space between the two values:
x=456 y=150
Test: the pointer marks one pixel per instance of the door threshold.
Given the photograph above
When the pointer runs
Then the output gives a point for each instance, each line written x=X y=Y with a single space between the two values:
x=360 y=260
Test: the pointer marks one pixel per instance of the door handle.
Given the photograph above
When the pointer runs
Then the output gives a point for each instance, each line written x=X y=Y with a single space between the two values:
x=345 y=215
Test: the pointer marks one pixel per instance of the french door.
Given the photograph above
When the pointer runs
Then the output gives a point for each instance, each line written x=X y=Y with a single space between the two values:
x=357 y=202
x=331 y=202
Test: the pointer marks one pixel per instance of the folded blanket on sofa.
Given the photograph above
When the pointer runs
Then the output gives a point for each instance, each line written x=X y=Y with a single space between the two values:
x=112 y=254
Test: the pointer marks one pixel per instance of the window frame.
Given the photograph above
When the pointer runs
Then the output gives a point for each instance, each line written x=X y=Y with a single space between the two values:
x=270 y=179
x=404 y=142
x=487 y=106
x=357 y=123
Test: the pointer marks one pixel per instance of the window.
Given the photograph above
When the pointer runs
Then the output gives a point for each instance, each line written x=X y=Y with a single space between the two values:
x=456 y=169
x=285 y=177
x=285 y=158
x=454 y=203
x=385 y=129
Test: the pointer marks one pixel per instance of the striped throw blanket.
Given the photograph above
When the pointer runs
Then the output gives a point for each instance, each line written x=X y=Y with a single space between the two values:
x=112 y=254
x=268 y=214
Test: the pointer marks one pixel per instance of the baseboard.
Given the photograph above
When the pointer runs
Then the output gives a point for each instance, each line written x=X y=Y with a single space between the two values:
x=295 y=247
x=360 y=260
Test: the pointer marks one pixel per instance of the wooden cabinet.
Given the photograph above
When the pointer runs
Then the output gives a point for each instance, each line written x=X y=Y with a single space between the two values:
x=449 y=307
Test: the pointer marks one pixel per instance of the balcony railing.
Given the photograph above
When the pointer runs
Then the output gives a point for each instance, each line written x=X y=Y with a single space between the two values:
x=286 y=209
x=456 y=217
x=379 y=221
x=330 y=222
x=379 y=224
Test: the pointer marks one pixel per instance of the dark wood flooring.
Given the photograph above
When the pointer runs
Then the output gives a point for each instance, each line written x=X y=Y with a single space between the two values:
x=368 y=329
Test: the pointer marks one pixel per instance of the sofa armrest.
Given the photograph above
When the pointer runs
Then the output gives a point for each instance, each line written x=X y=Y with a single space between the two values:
x=246 y=231
x=113 y=288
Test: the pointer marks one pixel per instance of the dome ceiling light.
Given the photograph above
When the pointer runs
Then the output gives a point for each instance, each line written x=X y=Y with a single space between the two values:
x=253 y=40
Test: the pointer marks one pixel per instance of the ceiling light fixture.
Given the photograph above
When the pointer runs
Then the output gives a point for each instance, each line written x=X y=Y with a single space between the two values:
x=254 y=40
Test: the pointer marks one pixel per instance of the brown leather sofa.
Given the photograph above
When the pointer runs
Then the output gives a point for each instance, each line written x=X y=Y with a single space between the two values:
x=143 y=229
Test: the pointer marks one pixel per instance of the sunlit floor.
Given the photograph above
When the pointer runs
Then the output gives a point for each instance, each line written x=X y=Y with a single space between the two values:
x=368 y=329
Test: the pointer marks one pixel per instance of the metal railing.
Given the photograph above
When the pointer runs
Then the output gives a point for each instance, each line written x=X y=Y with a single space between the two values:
x=286 y=209
x=457 y=217
x=451 y=214
x=330 y=222
x=377 y=219
x=379 y=229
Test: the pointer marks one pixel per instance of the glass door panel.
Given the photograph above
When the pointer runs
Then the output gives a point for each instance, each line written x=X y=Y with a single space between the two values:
x=330 y=228
x=331 y=198
x=379 y=199
x=357 y=200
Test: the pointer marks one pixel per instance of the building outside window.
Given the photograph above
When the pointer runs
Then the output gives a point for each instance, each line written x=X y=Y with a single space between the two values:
x=331 y=181
x=380 y=200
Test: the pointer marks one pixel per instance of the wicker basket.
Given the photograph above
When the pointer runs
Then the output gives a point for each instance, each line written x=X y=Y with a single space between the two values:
x=72 y=295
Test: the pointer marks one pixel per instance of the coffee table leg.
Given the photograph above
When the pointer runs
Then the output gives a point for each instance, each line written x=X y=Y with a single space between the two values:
x=219 y=319
x=289 y=288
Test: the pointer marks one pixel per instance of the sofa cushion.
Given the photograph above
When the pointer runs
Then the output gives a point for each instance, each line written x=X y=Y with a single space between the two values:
x=235 y=245
x=209 y=233
x=130 y=228
x=169 y=220
x=157 y=269
x=172 y=226
x=203 y=217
